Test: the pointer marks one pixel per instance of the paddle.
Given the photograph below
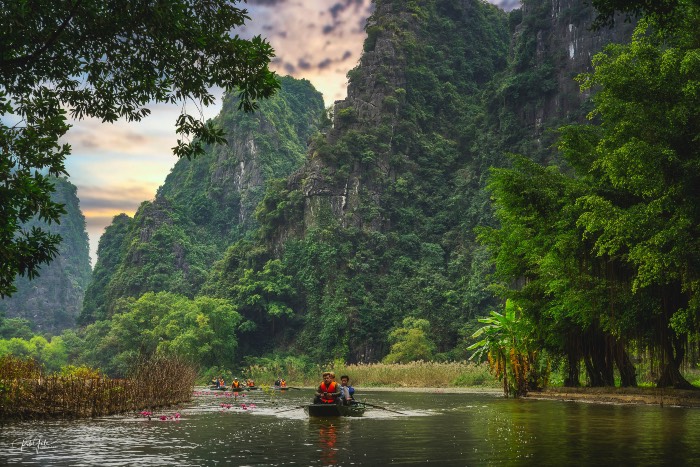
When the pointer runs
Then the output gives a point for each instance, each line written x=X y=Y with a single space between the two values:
x=293 y=408
x=380 y=407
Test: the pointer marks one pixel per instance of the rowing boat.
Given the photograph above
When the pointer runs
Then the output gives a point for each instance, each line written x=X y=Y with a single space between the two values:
x=335 y=410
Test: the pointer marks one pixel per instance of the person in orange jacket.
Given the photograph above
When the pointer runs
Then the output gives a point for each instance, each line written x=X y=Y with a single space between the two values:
x=328 y=391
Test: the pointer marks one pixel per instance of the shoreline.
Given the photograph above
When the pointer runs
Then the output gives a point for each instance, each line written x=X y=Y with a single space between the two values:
x=622 y=396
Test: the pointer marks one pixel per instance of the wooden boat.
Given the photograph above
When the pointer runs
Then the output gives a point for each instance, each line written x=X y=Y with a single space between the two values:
x=218 y=388
x=335 y=410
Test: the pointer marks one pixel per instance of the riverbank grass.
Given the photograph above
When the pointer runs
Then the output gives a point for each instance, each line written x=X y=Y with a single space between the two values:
x=409 y=375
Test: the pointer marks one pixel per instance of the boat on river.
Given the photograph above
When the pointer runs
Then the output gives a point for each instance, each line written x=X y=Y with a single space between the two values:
x=226 y=388
x=335 y=410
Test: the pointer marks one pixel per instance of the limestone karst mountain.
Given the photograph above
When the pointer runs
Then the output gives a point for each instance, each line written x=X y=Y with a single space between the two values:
x=52 y=301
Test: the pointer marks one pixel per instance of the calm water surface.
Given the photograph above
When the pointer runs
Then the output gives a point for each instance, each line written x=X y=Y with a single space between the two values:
x=434 y=428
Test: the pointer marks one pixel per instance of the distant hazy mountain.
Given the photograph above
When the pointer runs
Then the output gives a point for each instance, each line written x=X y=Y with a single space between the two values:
x=53 y=301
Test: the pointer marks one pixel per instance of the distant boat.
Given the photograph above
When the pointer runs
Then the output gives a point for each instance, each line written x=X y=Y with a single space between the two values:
x=218 y=388
x=335 y=410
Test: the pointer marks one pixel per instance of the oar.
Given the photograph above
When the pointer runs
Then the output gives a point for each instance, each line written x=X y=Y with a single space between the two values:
x=293 y=408
x=380 y=407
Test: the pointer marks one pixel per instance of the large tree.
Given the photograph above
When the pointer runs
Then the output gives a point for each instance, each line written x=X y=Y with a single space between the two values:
x=607 y=248
x=106 y=59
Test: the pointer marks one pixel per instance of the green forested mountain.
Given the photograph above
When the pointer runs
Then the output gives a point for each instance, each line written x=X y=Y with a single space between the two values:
x=52 y=301
x=379 y=225
x=205 y=204
x=464 y=168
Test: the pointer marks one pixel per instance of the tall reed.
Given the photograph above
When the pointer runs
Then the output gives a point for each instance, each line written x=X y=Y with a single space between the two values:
x=415 y=374
x=25 y=392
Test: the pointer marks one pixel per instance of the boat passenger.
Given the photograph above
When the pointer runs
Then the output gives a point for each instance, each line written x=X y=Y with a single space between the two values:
x=278 y=383
x=347 y=391
x=328 y=391
x=235 y=384
x=283 y=384
x=251 y=383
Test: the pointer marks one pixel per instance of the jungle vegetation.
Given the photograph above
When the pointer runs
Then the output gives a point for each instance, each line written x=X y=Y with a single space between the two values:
x=107 y=60
x=567 y=244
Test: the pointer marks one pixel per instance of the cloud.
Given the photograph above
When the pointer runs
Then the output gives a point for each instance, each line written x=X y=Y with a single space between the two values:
x=95 y=201
x=100 y=204
x=336 y=10
x=303 y=64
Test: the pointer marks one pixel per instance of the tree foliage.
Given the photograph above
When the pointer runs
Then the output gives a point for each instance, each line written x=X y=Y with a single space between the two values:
x=604 y=247
x=89 y=58
x=53 y=301
x=410 y=342
x=203 y=331
x=509 y=342
x=205 y=205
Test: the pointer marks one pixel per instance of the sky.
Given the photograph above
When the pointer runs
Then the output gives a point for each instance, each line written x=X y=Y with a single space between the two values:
x=118 y=166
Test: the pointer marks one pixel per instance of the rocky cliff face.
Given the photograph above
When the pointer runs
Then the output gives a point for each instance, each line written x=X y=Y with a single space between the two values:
x=565 y=45
x=550 y=44
x=410 y=48
x=52 y=301
x=443 y=91
x=205 y=204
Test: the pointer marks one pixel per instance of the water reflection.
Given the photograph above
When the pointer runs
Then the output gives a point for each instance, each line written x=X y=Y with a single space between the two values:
x=327 y=438
x=452 y=429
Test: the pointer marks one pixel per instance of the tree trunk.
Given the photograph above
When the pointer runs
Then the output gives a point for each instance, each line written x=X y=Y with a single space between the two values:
x=672 y=345
x=598 y=358
x=573 y=360
x=671 y=376
x=628 y=373
x=573 y=368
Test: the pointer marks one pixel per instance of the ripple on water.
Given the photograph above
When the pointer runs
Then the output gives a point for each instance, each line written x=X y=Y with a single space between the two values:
x=457 y=429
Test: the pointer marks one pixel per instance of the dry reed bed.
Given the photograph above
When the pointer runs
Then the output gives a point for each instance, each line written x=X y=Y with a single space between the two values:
x=25 y=393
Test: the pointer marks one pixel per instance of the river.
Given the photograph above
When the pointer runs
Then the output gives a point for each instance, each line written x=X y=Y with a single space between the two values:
x=434 y=427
